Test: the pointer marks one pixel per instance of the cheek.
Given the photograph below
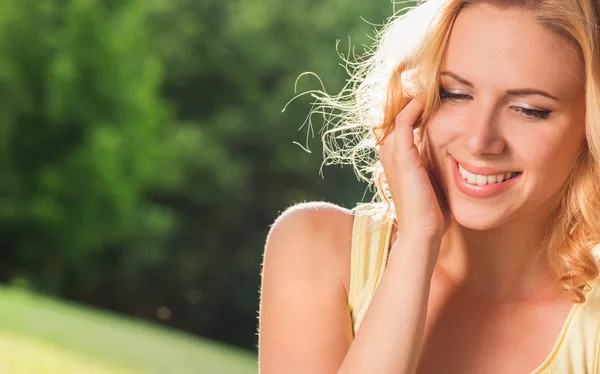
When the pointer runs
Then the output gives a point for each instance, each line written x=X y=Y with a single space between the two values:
x=443 y=128
x=549 y=151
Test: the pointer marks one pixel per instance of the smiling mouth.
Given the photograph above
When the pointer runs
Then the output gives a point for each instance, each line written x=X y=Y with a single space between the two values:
x=482 y=180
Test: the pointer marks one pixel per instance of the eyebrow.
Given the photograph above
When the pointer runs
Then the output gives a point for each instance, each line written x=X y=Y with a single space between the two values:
x=514 y=92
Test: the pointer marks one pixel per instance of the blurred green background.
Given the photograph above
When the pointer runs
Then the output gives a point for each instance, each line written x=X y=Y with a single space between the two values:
x=144 y=155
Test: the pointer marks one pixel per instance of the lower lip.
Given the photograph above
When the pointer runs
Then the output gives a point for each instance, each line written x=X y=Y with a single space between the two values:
x=474 y=190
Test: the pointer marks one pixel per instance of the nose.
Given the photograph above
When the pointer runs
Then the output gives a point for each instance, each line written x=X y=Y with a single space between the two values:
x=483 y=136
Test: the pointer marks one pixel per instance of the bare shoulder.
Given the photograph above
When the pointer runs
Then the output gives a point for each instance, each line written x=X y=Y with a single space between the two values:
x=322 y=230
x=304 y=322
x=315 y=213
x=315 y=217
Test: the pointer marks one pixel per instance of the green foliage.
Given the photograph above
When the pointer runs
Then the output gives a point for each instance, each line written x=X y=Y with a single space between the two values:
x=230 y=70
x=145 y=153
x=82 y=123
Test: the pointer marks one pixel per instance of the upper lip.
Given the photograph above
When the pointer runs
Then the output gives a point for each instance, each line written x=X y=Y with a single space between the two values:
x=482 y=170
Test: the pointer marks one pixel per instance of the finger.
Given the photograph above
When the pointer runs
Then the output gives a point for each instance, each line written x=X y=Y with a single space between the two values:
x=387 y=146
x=437 y=188
x=405 y=121
x=440 y=196
x=408 y=114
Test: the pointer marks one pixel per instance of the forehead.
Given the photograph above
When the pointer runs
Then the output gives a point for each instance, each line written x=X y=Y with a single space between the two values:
x=508 y=47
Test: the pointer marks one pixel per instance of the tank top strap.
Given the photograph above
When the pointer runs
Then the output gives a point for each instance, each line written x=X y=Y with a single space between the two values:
x=586 y=329
x=577 y=349
x=371 y=234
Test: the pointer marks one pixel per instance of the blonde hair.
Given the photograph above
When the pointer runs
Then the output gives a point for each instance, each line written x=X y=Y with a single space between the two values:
x=400 y=65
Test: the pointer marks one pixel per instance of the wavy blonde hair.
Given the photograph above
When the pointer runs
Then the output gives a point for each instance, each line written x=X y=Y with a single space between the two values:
x=400 y=65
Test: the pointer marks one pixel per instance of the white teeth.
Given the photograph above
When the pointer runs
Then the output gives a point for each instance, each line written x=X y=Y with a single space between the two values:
x=471 y=178
x=482 y=180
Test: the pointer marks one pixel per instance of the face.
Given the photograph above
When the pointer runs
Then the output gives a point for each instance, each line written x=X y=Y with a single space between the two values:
x=511 y=120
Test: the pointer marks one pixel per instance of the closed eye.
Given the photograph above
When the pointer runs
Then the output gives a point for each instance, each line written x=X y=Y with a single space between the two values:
x=532 y=113
x=525 y=112
x=445 y=94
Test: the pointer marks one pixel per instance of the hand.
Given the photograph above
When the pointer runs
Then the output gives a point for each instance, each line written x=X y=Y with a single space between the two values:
x=420 y=204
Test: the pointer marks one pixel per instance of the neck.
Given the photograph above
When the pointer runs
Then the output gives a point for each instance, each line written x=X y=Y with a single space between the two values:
x=507 y=263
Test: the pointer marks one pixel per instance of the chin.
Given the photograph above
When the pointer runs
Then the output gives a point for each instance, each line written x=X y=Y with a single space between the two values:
x=478 y=216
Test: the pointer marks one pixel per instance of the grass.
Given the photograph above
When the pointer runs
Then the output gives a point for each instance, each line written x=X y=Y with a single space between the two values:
x=39 y=335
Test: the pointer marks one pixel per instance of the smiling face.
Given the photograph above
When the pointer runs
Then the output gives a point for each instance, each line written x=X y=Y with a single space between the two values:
x=512 y=102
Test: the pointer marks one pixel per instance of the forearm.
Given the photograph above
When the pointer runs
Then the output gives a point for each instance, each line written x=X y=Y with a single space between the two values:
x=391 y=333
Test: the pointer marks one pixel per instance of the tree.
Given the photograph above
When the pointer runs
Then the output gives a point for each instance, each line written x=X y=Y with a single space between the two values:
x=81 y=121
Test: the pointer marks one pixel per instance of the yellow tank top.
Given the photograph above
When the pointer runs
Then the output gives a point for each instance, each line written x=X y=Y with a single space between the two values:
x=576 y=351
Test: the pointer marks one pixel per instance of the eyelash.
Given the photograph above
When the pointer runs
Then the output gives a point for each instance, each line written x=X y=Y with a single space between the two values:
x=528 y=113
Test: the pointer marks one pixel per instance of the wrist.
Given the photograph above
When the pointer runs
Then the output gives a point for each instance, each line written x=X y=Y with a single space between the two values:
x=420 y=238
x=417 y=247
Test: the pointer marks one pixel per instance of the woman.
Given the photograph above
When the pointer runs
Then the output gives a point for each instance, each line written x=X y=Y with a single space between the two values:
x=477 y=254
